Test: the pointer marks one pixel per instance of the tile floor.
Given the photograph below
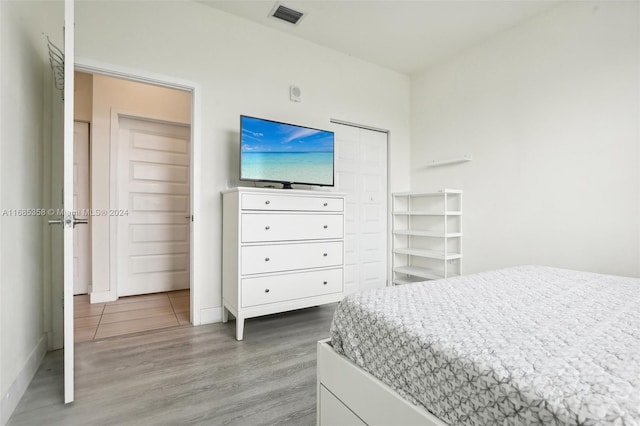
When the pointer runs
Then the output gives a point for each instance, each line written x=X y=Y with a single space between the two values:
x=129 y=314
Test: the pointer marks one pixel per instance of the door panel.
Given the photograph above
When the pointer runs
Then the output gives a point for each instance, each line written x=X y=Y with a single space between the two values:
x=361 y=172
x=153 y=213
x=68 y=190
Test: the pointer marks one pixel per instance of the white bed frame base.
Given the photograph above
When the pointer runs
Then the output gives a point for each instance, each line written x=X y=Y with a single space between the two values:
x=348 y=395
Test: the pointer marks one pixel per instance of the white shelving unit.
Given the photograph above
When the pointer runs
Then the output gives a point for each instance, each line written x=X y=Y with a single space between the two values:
x=427 y=235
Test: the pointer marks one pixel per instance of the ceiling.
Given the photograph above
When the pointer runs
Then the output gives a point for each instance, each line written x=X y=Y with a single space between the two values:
x=406 y=36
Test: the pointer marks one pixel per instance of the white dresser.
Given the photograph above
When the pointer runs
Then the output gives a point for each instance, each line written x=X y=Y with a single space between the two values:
x=281 y=250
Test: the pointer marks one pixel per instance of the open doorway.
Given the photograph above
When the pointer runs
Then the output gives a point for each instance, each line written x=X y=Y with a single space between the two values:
x=139 y=214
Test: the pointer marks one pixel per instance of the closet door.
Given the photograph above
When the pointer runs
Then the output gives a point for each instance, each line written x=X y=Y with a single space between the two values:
x=361 y=173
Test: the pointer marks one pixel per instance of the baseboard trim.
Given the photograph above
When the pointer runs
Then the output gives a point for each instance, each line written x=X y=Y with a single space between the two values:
x=17 y=389
x=101 y=297
x=210 y=315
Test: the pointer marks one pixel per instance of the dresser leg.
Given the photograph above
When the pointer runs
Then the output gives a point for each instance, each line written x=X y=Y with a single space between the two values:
x=239 y=327
x=225 y=314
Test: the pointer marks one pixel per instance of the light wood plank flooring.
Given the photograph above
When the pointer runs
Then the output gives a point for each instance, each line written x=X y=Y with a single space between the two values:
x=129 y=314
x=188 y=375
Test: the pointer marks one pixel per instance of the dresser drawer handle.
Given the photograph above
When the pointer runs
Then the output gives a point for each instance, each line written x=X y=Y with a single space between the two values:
x=267 y=202
x=325 y=254
x=326 y=226
x=325 y=204
x=324 y=283
x=267 y=228
x=266 y=290
x=266 y=259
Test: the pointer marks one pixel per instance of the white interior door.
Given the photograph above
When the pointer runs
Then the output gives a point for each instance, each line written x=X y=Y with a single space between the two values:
x=81 y=204
x=68 y=226
x=361 y=173
x=153 y=206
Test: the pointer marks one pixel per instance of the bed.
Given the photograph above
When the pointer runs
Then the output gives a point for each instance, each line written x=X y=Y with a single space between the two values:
x=518 y=346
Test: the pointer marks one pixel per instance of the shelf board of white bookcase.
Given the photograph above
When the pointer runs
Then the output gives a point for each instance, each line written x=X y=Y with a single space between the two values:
x=416 y=233
x=427 y=194
x=415 y=271
x=426 y=213
x=432 y=254
x=408 y=280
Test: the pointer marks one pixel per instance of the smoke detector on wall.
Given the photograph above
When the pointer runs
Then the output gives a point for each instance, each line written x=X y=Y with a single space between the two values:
x=286 y=14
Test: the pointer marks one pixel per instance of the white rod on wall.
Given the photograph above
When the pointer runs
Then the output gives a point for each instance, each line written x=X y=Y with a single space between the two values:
x=463 y=159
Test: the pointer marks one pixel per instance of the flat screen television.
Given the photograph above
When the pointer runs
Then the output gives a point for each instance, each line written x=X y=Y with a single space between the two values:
x=271 y=151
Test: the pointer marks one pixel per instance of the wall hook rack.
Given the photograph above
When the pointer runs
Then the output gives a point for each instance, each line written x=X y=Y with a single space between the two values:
x=56 y=60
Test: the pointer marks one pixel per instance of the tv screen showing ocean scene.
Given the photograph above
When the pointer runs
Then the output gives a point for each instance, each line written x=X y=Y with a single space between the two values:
x=280 y=152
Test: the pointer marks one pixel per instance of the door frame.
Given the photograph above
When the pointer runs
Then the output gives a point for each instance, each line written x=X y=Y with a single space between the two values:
x=83 y=215
x=143 y=76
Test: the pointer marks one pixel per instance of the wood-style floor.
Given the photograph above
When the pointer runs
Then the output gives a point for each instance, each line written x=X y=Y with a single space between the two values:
x=188 y=375
x=130 y=314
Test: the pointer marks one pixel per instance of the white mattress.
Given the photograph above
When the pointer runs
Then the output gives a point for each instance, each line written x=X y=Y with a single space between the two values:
x=518 y=346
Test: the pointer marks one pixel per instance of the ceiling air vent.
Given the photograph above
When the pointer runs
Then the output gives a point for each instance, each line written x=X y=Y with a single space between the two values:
x=286 y=14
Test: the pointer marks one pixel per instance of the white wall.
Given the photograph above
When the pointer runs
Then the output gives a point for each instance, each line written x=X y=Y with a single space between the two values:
x=25 y=114
x=243 y=68
x=550 y=112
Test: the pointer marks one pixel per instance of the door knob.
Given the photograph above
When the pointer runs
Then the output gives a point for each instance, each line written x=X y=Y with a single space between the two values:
x=77 y=221
x=68 y=221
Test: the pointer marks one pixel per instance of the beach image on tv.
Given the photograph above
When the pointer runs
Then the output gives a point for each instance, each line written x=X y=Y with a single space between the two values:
x=282 y=152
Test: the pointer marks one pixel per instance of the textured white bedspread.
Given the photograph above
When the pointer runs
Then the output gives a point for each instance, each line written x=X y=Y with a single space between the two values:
x=518 y=346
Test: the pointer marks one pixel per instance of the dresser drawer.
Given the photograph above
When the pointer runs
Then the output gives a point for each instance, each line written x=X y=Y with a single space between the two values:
x=289 y=257
x=291 y=203
x=279 y=288
x=258 y=227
